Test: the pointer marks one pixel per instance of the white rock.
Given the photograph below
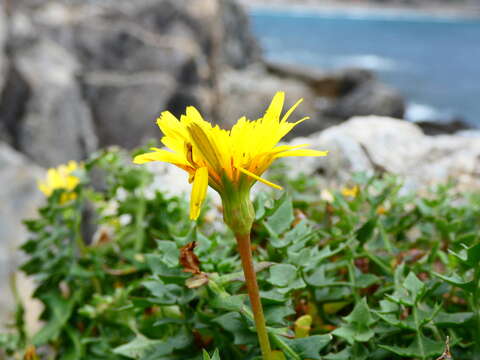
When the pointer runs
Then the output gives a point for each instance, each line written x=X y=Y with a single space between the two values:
x=19 y=199
x=379 y=143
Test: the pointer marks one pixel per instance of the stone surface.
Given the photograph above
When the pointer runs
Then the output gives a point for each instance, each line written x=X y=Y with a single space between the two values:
x=368 y=97
x=57 y=124
x=244 y=95
x=19 y=199
x=380 y=144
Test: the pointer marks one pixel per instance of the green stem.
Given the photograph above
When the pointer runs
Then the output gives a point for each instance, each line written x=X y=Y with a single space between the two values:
x=418 y=332
x=139 y=218
x=245 y=250
x=82 y=248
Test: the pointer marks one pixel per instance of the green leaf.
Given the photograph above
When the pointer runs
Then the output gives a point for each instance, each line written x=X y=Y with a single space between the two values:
x=414 y=285
x=139 y=347
x=169 y=294
x=365 y=232
x=345 y=354
x=229 y=303
x=282 y=274
x=59 y=310
x=234 y=323
x=453 y=319
x=358 y=325
x=275 y=314
x=421 y=347
x=159 y=268
x=169 y=252
x=309 y=347
x=215 y=356
x=282 y=216
x=456 y=280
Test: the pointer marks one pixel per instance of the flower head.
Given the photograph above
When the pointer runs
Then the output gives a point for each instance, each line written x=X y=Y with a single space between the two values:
x=61 y=178
x=351 y=192
x=227 y=160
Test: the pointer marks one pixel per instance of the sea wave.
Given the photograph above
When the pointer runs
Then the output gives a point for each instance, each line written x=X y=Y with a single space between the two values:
x=416 y=112
x=367 y=61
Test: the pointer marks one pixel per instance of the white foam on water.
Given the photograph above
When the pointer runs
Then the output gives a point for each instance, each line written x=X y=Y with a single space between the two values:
x=368 y=61
x=421 y=112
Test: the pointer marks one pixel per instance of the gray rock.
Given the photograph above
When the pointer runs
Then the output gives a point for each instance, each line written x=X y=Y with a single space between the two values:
x=368 y=97
x=19 y=200
x=3 y=39
x=240 y=49
x=449 y=126
x=244 y=95
x=125 y=106
x=56 y=125
x=380 y=144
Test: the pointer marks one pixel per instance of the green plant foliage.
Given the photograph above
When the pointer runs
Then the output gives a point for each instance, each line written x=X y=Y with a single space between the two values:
x=382 y=274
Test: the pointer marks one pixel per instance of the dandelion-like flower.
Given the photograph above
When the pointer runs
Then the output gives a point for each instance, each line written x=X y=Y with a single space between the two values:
x=230 y=161
x=227 y=160
x=61 y=178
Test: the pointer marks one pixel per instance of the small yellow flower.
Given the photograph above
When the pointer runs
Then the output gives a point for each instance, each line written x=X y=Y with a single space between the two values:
x=230 y=161
x=351 y=192
x=61 y=178
x=303 y=325
x=381 y=210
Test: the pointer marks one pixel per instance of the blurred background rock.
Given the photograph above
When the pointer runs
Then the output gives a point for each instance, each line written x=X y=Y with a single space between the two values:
x=80 y=75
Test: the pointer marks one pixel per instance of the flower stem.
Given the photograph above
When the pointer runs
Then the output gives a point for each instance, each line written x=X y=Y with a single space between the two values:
x=245 y=249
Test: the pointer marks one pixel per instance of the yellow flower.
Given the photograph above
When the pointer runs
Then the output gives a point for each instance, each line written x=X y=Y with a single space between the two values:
x=227 y=160
x=351 y=192
x=61 y=178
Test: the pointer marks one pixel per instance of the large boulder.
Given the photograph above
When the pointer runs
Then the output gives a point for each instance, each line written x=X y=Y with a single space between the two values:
x=248 y=93
x=19 y=200
x=379 y=144
x=56 y=124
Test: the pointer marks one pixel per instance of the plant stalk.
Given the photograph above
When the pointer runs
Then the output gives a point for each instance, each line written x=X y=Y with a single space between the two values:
x=245 y=250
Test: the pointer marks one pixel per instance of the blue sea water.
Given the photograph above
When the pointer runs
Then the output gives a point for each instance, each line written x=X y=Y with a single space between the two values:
x=434 y=62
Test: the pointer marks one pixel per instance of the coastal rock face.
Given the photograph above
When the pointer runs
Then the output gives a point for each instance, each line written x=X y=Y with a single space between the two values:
x=243 y=94
x=136 y=60
x=19 y=200
x=54 y=115
x=380 y=144
x=367 y=98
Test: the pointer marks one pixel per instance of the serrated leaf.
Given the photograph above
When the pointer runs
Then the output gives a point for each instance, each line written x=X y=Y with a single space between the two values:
x=414 y=286
x=357 y=326
x=60 y=310
x=282 y=274
x=233 y=323
x=169 y=252
x=215 y=356
x=282 y=216
x=309 y=347
x=139 y=346
x=365 y=232
x=421 y=347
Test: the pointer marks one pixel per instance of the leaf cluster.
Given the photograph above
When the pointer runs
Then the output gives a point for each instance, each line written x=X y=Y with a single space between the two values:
x=375 y=274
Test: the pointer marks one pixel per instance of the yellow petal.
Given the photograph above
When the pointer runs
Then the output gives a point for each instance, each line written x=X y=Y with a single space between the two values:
x=258 y=178
x=205 y=146
x=275 y=109
x=291 y=110
x=199 y=191
x=160 y=155
x=301 y=152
